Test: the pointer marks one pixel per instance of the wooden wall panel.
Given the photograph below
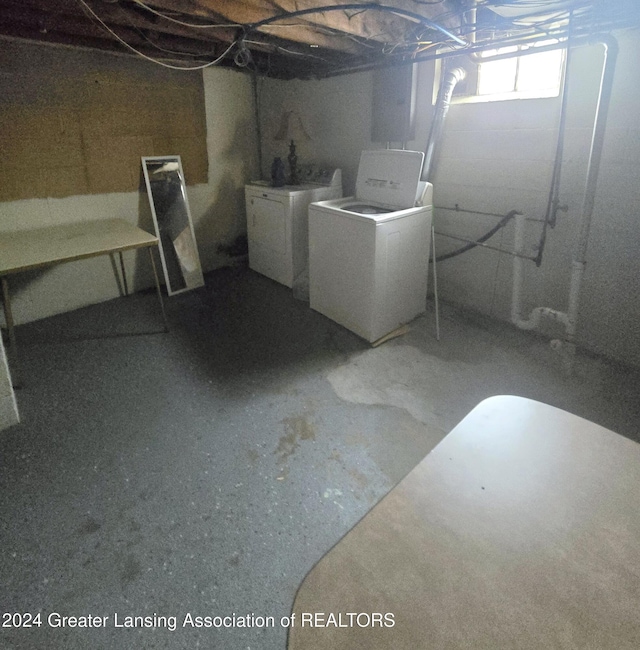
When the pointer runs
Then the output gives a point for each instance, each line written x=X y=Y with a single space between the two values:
x=77 y=122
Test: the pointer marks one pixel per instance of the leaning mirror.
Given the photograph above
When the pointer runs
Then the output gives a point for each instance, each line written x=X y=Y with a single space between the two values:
x=166 y=187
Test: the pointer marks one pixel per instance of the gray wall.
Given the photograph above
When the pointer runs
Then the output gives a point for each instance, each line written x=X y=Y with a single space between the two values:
x=336 y=113
x=496 y=157
x=217 y=207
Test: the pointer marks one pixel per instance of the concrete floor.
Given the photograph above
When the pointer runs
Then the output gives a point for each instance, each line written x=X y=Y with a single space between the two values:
x=205 y=471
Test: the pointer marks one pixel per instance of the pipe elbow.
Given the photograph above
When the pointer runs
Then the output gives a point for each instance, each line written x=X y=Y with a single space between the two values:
x=456 y=75
x=535 y=318
x=530 y=324
x=608 y=40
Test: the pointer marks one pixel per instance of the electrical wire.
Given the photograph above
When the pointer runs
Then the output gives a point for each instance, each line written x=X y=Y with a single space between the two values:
x=284 y=49
x=537 y=21
x=495 y=30
x=150 y=58
x=137 y=29
x=243 y=56
x=403 y=13
x=180 y=22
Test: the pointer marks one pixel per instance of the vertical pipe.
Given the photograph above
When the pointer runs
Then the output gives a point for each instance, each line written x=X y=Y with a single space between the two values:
x=597 y=139
x=435 y=281
x=553 y=201
x=570 y=318
x=610 y=46
x=256 y=108
x=518 y=270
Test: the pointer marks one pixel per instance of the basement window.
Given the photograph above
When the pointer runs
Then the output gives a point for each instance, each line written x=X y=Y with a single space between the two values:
x=515 y=77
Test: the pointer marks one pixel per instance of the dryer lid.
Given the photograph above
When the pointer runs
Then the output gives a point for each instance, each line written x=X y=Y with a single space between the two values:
x=389 y=177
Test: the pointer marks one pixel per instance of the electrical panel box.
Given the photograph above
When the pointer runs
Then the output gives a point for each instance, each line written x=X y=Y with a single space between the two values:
x=394 y=104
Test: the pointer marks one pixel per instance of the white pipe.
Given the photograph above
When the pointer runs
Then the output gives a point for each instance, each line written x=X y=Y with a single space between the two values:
x=535 y=317
x=577 y=273
x=610 y=46
x=570 y=318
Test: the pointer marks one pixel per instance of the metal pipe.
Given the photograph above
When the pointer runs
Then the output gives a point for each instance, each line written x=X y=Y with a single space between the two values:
x=570 y=317
x=578 y=266
x=533 y=322
x=480 y=241
x=483 y=245
x=477 y=57
x=435 y=282
x=553 y=201
x=563 y=42
x=256 y=110
x=486 y=214
x=578 y=37
x=610 y=46
x=518 y=270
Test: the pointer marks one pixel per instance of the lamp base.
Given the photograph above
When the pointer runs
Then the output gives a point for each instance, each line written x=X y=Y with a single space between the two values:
x=293 y=165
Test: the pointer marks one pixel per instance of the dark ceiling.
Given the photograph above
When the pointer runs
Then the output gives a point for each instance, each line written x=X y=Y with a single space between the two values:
x=306 y=38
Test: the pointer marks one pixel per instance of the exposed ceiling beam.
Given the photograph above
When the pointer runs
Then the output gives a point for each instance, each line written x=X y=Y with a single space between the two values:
x=312 y=44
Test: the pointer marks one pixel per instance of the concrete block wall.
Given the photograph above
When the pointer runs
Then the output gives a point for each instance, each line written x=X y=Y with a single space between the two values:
x=336 y=114
x=498 y=156
x=495 y=157
x=508 y=165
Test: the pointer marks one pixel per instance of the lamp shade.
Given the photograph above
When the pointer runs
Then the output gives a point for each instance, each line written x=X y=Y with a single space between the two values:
x=291 y=127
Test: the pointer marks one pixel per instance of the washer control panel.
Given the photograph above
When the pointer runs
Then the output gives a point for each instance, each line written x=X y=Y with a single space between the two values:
x=319 y=174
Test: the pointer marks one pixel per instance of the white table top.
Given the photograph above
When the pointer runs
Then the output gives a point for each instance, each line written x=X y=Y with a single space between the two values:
x=521 y=529
x=30 y=249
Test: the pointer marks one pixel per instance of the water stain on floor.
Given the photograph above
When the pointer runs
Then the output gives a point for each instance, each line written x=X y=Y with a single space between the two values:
x=131 y=570
x=405 y=377
x=359 y=479
x=89 y=526
x=254 y=456
x=297 y=428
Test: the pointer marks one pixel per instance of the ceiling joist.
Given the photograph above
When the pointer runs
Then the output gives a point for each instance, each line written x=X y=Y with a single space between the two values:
x=293 y=38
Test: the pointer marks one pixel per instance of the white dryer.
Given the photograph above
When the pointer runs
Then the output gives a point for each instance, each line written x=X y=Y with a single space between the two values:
x=369 y=253
x=277 y=221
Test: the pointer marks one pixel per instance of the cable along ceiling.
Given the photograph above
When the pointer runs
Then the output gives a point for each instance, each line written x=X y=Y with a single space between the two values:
x=307 y=39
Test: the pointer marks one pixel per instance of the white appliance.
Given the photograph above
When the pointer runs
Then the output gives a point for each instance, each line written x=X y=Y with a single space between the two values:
x=369 y=253
x=277 y=221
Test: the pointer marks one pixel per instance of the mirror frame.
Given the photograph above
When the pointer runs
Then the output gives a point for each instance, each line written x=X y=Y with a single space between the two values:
x=172 y=159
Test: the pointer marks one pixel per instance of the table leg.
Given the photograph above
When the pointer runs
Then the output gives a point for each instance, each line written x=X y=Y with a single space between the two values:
x=155 y=275
x=124 y=275
x=13 y=344
x=435 y=282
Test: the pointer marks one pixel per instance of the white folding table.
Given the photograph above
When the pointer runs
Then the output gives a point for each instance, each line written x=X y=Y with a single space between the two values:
x=26 y=250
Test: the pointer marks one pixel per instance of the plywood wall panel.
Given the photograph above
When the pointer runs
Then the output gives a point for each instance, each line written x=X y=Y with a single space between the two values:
x=78 y=123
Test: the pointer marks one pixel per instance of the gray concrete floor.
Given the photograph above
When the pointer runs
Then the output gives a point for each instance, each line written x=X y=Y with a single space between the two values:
x=205 y=471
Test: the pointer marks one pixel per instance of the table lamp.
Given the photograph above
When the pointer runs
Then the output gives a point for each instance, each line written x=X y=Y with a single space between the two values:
x=292 y=129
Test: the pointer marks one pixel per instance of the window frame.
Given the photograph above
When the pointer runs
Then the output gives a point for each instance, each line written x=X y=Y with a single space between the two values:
x=467 y=91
